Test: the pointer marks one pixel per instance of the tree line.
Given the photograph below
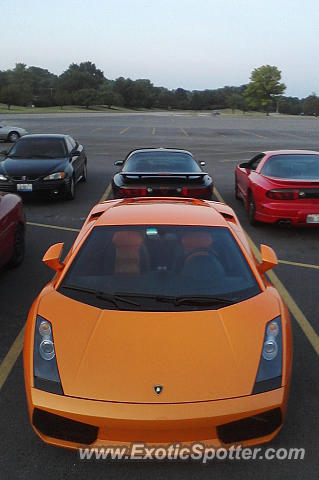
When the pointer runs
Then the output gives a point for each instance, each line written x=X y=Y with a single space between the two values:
x=85 y=85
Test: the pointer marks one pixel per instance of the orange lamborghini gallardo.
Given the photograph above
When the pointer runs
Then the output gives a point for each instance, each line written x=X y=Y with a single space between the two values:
x=159 y=326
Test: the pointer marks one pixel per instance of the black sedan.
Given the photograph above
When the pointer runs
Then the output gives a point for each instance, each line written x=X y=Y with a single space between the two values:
x=161 y=172
x=49 y=164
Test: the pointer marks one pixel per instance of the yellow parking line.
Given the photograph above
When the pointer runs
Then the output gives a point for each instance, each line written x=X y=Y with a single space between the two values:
x=10 y=359
x=153 y=131
x=184 y=132
x=55 y=227
x=252 y=133
x=106 y=193
x=297 y=264
x=125 y=130
x=300 y=318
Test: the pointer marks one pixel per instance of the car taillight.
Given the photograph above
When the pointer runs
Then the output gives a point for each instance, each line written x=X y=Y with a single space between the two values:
x=205 y=192
x=283 y=194
x=133 y=192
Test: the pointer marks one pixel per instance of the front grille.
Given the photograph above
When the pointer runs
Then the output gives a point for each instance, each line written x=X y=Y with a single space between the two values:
x=63 y=428
x=251 y=427
x=24 y=178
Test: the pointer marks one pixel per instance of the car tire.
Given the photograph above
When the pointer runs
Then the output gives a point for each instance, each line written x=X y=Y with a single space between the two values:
x=84 y=175
x=13 y=137
x=252 y=210
x=19 y=248
x=70 y=194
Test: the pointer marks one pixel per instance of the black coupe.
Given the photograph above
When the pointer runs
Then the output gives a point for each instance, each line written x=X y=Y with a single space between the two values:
x=161 y=172
x=50 y=164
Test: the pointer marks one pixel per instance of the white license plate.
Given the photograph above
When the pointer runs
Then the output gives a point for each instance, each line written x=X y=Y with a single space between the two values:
x=313 y=218
x=24 y=187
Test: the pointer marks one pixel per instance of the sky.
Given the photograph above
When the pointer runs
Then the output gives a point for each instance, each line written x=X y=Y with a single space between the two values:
x=192 y=44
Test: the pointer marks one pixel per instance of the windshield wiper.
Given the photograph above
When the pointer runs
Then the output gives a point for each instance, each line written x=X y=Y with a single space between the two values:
x=109 y=297
x=203 y=300
x=183 y=299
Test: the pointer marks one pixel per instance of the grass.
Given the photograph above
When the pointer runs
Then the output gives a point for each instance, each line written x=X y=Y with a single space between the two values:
x=66 y=109
x=227 y=112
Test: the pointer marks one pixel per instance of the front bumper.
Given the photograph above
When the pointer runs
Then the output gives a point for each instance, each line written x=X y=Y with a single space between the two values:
x=292 y=212
x=54 y=187
x=124 y=423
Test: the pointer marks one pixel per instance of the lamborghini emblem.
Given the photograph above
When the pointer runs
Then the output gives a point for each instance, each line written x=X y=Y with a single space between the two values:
x=158 y=389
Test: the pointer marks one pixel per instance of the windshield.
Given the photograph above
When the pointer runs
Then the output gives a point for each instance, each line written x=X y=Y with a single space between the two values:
x=160 y=268
x=39 y=148
x=292 y=166
x=161 y=162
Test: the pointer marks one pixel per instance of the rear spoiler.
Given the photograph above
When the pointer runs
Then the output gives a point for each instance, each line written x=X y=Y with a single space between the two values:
x=162 y=175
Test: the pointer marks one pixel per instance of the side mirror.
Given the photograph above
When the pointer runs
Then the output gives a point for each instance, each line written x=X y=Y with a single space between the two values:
x=76 y=153
x=4 y=152
x=202 y=163
x=244 y=165
x=119 y=163
x=52 y=257
x=268 y=259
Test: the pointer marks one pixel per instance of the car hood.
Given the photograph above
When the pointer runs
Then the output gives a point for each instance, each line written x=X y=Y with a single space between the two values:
x=120 y=356
x=31 y=166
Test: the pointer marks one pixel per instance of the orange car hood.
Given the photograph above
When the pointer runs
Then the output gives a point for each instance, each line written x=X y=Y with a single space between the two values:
x=119 y=356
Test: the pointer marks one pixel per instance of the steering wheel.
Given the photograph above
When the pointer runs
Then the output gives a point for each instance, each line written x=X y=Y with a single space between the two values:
x=198 y=251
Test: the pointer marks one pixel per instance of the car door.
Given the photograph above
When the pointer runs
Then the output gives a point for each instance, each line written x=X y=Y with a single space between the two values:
x=244 y=171
x=7 y=224
x=3 y=132
x=77 y=161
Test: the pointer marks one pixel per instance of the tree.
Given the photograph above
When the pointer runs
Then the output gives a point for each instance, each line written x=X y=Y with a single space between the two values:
x=83 y=76
x=311 y=105
x=264 y=87
x=13 y=95
x=62 y=98
x=86 y=97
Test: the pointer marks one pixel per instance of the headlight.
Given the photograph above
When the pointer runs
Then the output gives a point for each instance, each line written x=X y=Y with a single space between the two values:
x=3 y=178
x=55 y=176
x=270 y=364
x=46 y=374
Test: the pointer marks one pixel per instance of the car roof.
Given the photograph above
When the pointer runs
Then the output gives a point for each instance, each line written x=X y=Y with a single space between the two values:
x=290 y=152
x=159 y=149
x=46 y=135
x=162 y=210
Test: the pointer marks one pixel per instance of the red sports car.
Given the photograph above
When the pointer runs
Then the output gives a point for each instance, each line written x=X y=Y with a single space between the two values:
x=12 y=228
x=280 y=186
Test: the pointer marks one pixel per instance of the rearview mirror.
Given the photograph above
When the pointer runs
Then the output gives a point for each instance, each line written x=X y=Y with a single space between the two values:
x=119 y=163
x=52 y=257
x=268 y=259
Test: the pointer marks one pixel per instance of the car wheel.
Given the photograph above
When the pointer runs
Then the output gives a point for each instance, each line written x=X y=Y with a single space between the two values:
x=13 y=137
x=84 y=175
x=252 y=210
x=71 y=191
x=19 y=248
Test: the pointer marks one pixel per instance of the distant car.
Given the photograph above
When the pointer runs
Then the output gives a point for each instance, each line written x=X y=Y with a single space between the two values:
x=280 y=186
x=11 y=134
x=161 y=171
x=12 y=228
x=47 y=164
x=159 y=327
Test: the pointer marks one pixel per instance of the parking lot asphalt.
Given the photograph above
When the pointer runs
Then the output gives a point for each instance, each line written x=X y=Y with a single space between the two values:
x=221 y=142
